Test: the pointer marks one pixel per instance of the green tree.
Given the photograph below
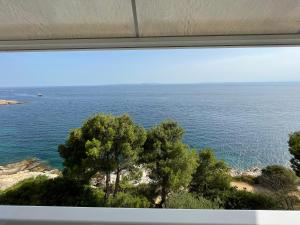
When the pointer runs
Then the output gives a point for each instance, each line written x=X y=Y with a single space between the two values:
x=106 y=144
x=294 y=149
x=211 y=177
x=170 y=162
x=281 y=181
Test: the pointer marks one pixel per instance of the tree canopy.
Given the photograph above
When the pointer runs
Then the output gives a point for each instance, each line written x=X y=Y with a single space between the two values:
x=294 y=149
x=212 y=175
x=170 y=162
x=105 y=143
x=105 y=158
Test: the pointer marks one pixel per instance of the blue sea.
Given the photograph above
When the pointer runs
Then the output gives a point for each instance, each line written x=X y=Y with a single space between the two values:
x=247 y=124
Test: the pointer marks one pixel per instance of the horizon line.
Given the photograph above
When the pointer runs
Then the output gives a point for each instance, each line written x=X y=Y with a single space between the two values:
x=151 y=83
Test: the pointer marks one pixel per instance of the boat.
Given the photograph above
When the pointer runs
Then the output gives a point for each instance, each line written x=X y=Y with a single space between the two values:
x=39 y=95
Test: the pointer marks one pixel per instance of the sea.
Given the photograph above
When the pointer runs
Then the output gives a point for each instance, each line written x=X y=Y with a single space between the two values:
x=247 y=124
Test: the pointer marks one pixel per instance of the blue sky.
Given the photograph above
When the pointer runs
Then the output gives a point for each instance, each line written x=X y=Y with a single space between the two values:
x=60 y=68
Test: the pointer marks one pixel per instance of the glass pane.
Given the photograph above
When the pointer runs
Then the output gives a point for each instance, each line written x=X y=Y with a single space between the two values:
x=173 y=128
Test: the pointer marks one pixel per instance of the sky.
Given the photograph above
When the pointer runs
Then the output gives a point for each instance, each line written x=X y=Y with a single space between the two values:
x=165 y=66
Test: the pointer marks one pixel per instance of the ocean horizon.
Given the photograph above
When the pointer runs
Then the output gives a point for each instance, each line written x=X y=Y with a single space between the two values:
x=247 y=124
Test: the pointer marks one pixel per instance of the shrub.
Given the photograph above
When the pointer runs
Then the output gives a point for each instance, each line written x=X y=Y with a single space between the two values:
x=26 y=192
x=127 y=200
x=146 y=190
x=185 y=200
x=282 y=182
x=278 y=178
x=52 y=192
x=235 y=199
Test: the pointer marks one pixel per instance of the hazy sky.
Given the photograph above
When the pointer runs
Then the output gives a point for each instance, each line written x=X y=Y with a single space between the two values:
x=149 y=66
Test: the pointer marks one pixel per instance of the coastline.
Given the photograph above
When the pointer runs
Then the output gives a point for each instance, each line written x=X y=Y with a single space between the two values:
x=12 y=173
x=252 y=171
x=9 y=102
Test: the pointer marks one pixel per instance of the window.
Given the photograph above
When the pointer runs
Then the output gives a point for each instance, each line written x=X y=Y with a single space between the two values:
x=176 y=128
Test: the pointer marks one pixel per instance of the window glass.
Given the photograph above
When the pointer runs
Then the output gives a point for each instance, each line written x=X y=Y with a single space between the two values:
x=174 y=128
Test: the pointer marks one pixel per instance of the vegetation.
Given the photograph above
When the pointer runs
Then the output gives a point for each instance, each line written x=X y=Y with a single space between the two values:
x=118 y=153
x=104 y=144
x=281 y=181
x=235 y=199
x=185 y=200
x=53 y=192
x=127 y=200
x=211 y=177
x=170 y=162
x=294 y=148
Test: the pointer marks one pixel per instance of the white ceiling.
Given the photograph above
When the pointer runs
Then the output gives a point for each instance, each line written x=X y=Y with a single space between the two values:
x=76 y=19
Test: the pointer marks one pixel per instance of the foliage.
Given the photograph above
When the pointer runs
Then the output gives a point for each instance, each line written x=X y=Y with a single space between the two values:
x=131 y=179
x=127 y=200
x=211 y=177
x=105 y=144
x=235 y=199
x=281 y=181
x=147 y=190
x=42 y=191
x=185 y=200
x=294 y=149
x=170 y=162
x=278 y=178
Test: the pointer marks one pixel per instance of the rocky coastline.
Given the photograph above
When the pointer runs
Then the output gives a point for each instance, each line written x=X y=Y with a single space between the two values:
x=12 y=173
x=253 y=172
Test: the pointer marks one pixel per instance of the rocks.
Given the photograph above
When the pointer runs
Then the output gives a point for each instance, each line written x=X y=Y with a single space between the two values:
x=98 y=179
x=253 y=172
x=8 y=102
x=13 y=173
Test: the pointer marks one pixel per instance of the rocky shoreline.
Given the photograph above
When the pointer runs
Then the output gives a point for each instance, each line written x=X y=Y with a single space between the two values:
x=253 y=172
x=9 y=102
x=12 y=173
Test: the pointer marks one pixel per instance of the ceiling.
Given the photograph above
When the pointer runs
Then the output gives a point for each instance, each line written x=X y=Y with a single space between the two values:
x=131 y=21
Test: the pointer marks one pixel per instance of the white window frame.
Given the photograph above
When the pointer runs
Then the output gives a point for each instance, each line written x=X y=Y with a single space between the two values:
x=13 y=215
